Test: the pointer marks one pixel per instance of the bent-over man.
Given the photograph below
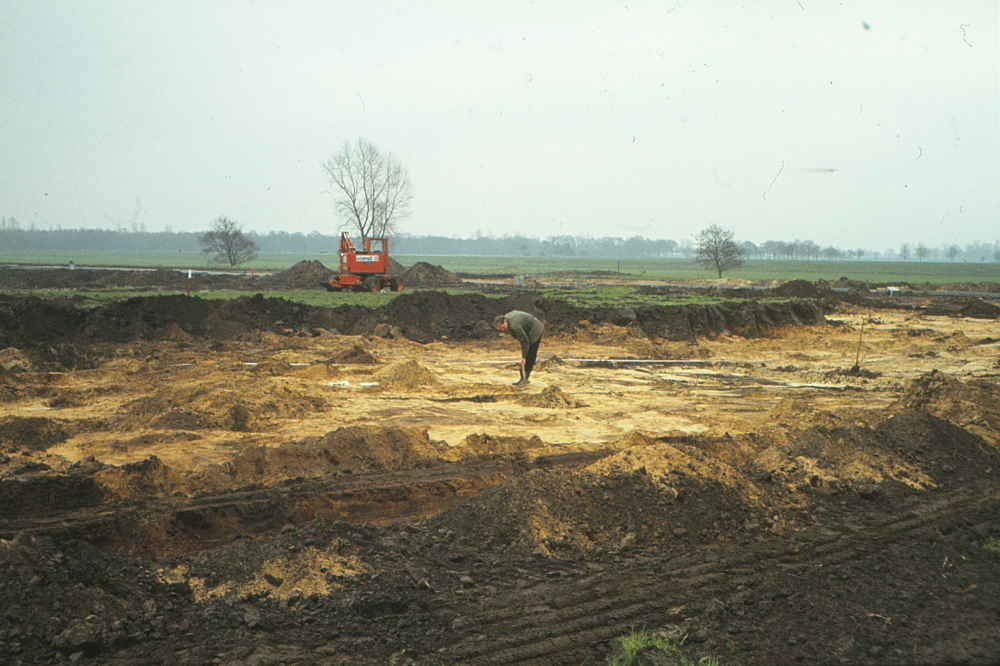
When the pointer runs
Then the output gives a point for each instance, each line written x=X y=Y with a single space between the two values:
x=527 y=330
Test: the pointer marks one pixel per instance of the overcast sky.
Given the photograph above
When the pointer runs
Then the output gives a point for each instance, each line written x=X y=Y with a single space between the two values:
x=852 y=124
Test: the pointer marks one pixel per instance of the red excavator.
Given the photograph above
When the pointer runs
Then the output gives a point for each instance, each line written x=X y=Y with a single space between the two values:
x=364 y=271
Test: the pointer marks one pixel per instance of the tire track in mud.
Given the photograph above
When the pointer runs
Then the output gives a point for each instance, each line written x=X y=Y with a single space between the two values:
x=573 y=612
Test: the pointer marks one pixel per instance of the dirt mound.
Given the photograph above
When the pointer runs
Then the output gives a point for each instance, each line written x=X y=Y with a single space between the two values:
x=305 y=273
x=980 y=309
x=13 y=360
x=355 y=356
x=31 y=433
x=942 y=449
x=380 y=449
x=485 y=444
x=551 y=397
x=422 y=274
x=566 y=516
x=973 y=405
x=801 y=289
x=38 y=485
x=144 y=479
x=406 y=374
x=746 y=319
x=911 y=450
x=396 y=268
x=424 y=316
x=665 y=462
x=33 y=321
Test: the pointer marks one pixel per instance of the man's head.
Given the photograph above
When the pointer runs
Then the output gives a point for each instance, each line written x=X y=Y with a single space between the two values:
x=500 y=322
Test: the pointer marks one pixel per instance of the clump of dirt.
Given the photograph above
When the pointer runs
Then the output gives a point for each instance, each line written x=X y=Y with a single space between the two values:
x=801 y=289
x=422 y=274
x=143 y=479
x=32 y=321
x=795 y=416
x=844 y=283
x=750 y=319
x=563 y=515
x=37 y=483
x=184 y=419
x=305 y=273
x=853 y=371
x=980 y=309
x=380 y=449
x=942 y=449
x=549 y=363
x=665 y=462
x=32 y=433
x=356 y=355
x=8 y=392
x=243 y=318
x=405 y=374
x=485 y=444
x=911 y=450
x=14 y=360
x=973 y=405
x=425 y=316
x=823 y=459
x=683 y=351
x=551 y=397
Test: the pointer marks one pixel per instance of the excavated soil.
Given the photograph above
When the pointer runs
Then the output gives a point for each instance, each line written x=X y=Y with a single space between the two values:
x=257 y=481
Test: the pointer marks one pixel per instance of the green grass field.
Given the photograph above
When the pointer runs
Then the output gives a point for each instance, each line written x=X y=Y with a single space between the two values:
x=877 y=272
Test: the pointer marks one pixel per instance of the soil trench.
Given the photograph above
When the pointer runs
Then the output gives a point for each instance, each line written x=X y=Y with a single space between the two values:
x=260 y=482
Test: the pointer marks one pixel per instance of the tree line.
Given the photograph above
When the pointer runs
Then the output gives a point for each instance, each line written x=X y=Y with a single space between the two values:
x=15 y=238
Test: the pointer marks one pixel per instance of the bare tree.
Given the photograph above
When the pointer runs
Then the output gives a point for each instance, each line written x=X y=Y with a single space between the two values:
x=922 y=251
x=952 y=251
x=228 y=242
x=717 y=249
x=376 y=189
x=904 y=251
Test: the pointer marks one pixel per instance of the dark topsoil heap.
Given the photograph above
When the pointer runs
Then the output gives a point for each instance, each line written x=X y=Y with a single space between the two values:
x=423 y=316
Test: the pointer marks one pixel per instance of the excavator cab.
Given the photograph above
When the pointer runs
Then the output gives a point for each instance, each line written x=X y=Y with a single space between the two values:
x=364 y=271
